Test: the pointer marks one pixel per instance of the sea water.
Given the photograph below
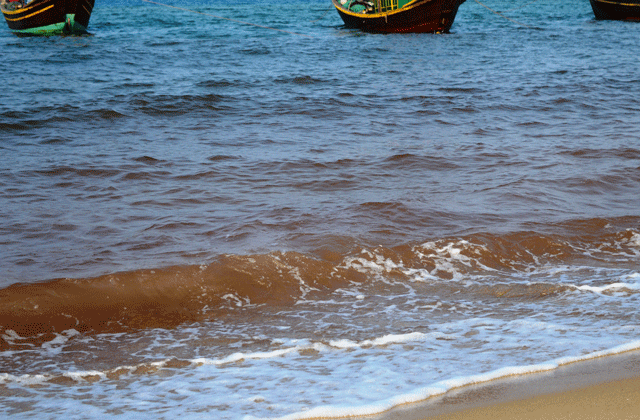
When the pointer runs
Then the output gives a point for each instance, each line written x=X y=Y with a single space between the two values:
x=203 y=218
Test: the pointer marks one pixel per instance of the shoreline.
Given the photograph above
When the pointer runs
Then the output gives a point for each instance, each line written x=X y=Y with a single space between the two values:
x=619 y=399
x=602 y=387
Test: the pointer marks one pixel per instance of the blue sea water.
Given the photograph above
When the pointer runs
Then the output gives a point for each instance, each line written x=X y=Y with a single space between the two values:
x=311 y=220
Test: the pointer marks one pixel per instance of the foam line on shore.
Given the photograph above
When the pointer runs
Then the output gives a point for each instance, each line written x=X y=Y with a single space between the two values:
x=441 y=387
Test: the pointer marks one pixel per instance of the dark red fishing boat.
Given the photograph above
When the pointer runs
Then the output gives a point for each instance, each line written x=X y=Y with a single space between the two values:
x=398 y=15
x=616 y=9
x=47 y=17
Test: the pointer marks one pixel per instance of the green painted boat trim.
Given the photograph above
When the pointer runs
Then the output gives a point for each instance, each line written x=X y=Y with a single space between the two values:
x=60 y=28
x=374 y=6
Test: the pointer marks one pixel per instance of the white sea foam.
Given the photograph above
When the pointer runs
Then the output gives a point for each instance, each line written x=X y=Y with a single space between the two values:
x=237 y=301
x=238 y=357
x=56 y=345
x=445 y=257
x=83 y=375
x=357 y=377
x=444 y=386
x=632 y=283
x=635 y=239
x=609 y=287
x=380 y=265
x=385 y=340
x=23 y=379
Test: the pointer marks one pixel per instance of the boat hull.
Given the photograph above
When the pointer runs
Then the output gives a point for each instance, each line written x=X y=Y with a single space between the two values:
x=50 y=17
x=616 y=9
x=428 y=16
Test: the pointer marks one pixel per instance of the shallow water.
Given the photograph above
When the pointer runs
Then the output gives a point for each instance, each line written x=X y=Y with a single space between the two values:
x=210 y=219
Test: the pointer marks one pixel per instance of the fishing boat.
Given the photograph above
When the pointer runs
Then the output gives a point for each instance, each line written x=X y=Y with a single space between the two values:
x=398 y=15
x=47 y=17
x=616 y=9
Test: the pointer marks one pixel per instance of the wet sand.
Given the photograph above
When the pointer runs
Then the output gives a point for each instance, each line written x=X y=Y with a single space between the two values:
x=611 y=400
x=603 y=388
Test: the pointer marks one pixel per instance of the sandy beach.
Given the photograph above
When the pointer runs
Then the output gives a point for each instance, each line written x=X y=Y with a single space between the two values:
x=611 y=400
x=603 y=388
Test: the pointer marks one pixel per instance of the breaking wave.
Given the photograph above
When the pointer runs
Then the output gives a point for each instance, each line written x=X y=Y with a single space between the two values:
x=523 y=265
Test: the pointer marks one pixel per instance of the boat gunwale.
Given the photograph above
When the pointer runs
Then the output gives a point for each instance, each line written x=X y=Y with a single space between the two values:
x=618 y=3
x=408 y=6
x=37 y=12
x=617 y=10
x=32 y=5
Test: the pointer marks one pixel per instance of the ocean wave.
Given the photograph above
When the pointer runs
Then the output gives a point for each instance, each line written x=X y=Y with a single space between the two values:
x=523 y=265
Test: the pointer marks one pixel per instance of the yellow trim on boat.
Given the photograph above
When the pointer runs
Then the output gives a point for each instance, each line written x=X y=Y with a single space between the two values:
x=28 y=16
x=13 y=12
x=407 y=6
x=618 y=3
